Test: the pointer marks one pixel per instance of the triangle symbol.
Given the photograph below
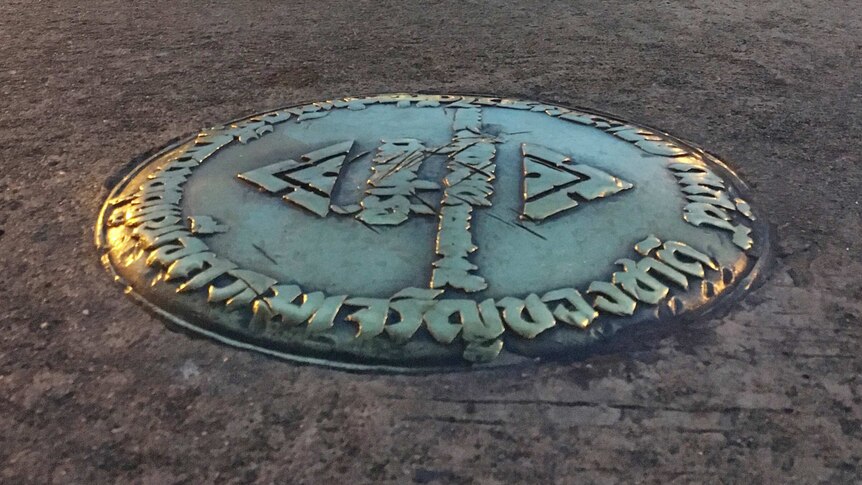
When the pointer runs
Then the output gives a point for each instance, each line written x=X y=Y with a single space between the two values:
x=598 y=184
x=552 y=183
x=321 y=176
x=310 y=181
x=540 y=178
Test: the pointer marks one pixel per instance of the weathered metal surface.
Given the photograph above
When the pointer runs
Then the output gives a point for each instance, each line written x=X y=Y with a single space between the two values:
x=424 y=231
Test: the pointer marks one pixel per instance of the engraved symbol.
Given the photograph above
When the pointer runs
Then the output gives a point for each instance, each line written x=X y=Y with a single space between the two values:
x=552 y=181
x=309 y=182
x=468 y=184
x=393 y=186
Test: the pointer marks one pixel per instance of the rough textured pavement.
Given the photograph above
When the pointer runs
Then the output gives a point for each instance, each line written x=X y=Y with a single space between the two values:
x=95 y=390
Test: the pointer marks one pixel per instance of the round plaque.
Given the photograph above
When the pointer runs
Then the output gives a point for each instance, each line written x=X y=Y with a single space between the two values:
x=406 y=231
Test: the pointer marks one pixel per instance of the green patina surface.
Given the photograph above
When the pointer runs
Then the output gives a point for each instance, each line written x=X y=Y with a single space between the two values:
x=415 y=231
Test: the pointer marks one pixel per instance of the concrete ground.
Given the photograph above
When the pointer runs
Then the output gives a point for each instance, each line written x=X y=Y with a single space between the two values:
x=95 y=390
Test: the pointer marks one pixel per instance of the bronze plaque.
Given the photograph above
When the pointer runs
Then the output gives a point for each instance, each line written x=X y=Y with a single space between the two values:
x=403 y=231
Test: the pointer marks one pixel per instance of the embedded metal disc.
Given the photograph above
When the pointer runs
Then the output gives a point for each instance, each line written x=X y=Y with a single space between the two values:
x=426 y=231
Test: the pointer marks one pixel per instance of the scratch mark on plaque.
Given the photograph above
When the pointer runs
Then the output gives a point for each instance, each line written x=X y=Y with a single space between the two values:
x=522 y=226
x=264 y=253
x=369 y=226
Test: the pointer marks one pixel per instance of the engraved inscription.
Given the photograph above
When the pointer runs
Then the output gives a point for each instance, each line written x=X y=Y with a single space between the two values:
x=148 y=223
x=709 y=204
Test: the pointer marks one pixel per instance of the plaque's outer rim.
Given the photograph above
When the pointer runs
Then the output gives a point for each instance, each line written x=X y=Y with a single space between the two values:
x=617 y=340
